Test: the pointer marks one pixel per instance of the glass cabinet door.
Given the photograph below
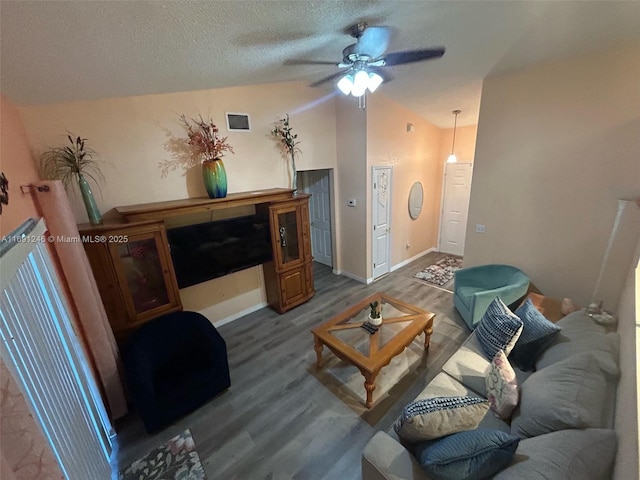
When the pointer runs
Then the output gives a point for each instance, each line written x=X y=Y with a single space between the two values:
x=143 y=272
x=288 y=235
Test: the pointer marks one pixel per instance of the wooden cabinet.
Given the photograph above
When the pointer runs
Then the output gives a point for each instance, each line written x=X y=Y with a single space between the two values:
x=289 y=277
x=134 y=273
x=131 y=260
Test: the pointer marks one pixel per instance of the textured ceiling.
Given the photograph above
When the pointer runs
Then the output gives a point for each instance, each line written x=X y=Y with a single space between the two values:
x=61 y=51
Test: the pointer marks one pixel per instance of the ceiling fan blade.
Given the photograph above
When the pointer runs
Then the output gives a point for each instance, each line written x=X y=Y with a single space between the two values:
x=301 y=61
x=374 y=41
x=411 y=56
x=333 y=76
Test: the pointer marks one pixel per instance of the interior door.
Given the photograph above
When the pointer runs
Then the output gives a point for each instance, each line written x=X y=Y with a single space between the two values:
x=381 y=221
x=455 y=207
x=320 y=213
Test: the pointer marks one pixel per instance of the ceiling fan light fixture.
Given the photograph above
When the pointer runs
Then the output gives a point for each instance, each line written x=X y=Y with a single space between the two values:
x=346 y=84
x=360 y=83
x=374 y=82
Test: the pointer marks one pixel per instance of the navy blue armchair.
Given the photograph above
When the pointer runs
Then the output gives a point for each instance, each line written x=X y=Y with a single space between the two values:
x=174 y=364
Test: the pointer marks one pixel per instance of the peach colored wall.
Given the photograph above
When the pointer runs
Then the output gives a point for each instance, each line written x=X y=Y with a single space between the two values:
x=465 y=148
x=23 y=449
x=18 y=167
x=557 y=145
x=414 y=157
x=131 y=136
x=351 y=180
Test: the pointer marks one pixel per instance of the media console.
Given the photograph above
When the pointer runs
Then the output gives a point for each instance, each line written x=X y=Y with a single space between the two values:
x=135 y=270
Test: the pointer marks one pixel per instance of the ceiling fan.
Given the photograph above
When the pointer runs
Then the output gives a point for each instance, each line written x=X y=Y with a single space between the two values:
x=362 y=65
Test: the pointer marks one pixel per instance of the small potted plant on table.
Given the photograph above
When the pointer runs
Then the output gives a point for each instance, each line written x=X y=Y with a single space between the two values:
x=375 y=316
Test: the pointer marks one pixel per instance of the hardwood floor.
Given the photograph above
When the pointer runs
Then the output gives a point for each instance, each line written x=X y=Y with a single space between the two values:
x=282 y=418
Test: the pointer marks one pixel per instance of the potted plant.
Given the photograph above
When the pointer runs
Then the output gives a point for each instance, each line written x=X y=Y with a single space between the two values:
x=289 y=142
x=375 y=316
x=74 y=162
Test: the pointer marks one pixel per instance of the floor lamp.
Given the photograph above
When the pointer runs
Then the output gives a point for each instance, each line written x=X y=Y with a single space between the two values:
x=595 y=309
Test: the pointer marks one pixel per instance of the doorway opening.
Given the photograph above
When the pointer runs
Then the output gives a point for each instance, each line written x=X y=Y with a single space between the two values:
x=319 y=184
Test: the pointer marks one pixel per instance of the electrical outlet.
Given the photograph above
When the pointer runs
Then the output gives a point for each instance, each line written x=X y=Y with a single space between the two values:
x=479 y=228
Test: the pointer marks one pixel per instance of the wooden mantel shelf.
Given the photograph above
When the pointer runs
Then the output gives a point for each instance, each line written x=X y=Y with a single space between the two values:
x=171 y=208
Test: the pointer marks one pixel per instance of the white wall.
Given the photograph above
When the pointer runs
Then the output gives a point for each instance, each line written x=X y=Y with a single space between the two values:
x=557 y=145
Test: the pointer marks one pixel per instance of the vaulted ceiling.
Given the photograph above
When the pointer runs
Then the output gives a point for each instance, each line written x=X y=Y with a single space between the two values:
x=62 y=51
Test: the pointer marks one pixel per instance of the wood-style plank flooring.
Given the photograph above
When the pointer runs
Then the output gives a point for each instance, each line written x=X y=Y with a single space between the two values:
x=282 y=418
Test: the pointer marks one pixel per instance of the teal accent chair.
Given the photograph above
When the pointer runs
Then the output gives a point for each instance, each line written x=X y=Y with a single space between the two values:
x=476 y=287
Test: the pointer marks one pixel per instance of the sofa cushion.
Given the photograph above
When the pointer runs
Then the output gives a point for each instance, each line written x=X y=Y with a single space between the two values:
x=537 y=334
x=499 y=329
x=383 y=458
x=431 y=418
x=502 y=386
x=567 y=454
x=473 y=454
x=469 y=365
x=568 y=394
x=443 y=385
x=580 y=334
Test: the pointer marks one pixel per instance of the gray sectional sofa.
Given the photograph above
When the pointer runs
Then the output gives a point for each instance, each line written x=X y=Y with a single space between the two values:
x=564 y=417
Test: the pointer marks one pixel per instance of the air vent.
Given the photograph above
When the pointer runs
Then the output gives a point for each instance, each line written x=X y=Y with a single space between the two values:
x=238 y=122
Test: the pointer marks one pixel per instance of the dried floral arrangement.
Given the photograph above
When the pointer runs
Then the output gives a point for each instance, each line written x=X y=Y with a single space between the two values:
x=284 y=132
x=203 y=142
x=68 y=163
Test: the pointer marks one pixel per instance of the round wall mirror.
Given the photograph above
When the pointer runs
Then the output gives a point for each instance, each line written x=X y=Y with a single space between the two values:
x=415 y=200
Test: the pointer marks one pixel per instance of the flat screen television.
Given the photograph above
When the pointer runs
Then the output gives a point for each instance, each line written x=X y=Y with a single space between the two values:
x=204 y=251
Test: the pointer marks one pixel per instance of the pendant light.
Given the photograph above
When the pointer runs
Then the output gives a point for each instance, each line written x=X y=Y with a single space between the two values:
x=452 y=158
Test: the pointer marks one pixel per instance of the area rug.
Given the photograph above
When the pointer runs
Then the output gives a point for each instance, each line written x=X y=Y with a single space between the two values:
x=175 y=460
x=441 y=272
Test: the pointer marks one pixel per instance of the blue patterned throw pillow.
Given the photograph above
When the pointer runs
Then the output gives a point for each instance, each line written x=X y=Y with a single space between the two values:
x=472 y=455
x=436 y=417
x=498 y=329
x=537 y=334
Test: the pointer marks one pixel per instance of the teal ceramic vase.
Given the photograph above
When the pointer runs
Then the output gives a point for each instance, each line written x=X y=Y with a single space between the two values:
x=89 y=202
x=294 y=174
x=215 y=178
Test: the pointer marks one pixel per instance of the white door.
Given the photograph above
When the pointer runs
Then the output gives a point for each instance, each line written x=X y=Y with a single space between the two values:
x=455 y=207
x=381 y=213
x=320 y=213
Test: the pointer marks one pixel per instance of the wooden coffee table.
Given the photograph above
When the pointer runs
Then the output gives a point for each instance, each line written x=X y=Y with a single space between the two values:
x=344 y=336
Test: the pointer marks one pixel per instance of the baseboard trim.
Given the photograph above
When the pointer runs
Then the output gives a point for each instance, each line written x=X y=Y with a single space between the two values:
x=412 y=259
x=354 y=277
x=235 y=316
